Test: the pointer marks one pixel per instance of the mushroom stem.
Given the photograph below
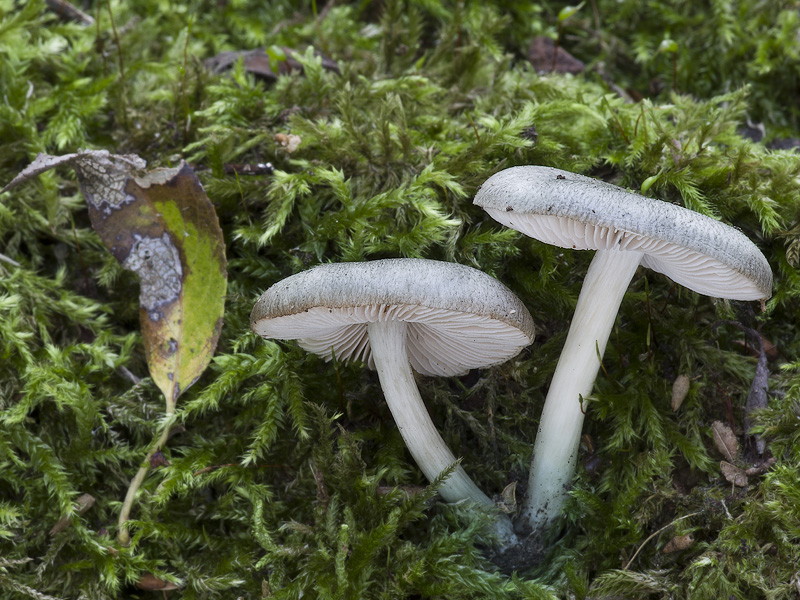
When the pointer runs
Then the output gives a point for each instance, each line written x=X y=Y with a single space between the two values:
x=388 y=342
x=556 y=447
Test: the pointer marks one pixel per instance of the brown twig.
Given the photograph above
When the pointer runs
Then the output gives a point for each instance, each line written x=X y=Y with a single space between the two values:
x=654 y=534
x=183 y=98
x=475 y=129
x=121 y=64
x=649 y=317
x=68 y=11
x=325 y=10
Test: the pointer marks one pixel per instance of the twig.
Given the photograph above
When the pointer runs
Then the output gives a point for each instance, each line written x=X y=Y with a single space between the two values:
x=183 y=99
x=649 y=315
x=10 y=261
x=121 y=65
x=68 y=11
x=475 y=129
x=613 y=86
x=654 y=534
x=128 y=375
x=325 y=10
x=338 y=379
x=123 y=536
x=619 y=125
x=13 y=562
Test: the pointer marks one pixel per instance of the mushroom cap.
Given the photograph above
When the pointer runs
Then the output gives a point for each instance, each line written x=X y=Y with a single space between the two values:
x=458 y=318
x=574 y=211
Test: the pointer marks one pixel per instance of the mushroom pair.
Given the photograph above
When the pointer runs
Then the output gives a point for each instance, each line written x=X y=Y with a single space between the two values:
x=401 y=313
x=397 y=314
x=626 y=230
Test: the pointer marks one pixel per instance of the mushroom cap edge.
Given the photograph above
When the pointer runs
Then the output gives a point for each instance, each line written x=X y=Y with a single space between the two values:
x=662 y=230
x=483 y=310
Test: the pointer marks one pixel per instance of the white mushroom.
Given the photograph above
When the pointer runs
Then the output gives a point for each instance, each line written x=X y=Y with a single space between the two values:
x=626 y=229
x=439 y=318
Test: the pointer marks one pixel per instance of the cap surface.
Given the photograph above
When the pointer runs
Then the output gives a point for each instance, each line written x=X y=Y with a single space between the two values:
x=459 y=318
x=574 y=211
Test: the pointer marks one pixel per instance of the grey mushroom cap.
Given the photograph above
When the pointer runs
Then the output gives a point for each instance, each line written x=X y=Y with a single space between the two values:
x=574 y=211
x=458 y=318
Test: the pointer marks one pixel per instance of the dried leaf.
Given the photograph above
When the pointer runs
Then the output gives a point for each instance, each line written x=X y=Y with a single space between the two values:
x=725 y=440
x=151 y=583
x=680 y=389
x=322 y=490
x=678 y=543
x=761 y=467
x=158 y=460
x=82 y=504
x=289 y=142
x=68 y=12
x=540 y=53
x=769 y=348
x=508 y=502
x=45 y=162
x=733 y=474
x=757 y=397
x=257 y=62
x=162 y=226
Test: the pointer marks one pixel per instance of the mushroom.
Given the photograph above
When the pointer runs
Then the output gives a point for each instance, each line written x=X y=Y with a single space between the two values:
x=626 y=229
x=439 y=318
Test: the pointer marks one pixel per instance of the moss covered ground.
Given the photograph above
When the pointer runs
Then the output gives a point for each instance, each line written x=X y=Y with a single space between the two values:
x=284 y=475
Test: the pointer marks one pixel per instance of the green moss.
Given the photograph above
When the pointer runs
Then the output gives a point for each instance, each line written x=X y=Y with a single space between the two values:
x=286 y=476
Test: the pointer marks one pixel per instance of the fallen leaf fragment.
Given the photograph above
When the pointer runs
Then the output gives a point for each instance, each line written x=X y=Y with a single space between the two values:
x=761 y=468
x=508 y=499
x=158 y=460
x=733 y=474
x=104 y=161
x=289 y=142
x=725 y=440
x=82 y=504
x=69 y=12
x=151 y=583
x=757 y=396
x=162 y=226
x=678 y=543
x=540 y=54
x=769 y=348
x=680 y=389
x=257 y=62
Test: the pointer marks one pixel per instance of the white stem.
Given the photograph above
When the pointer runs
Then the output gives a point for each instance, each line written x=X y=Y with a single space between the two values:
x=556 y=447
x=388 y=342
